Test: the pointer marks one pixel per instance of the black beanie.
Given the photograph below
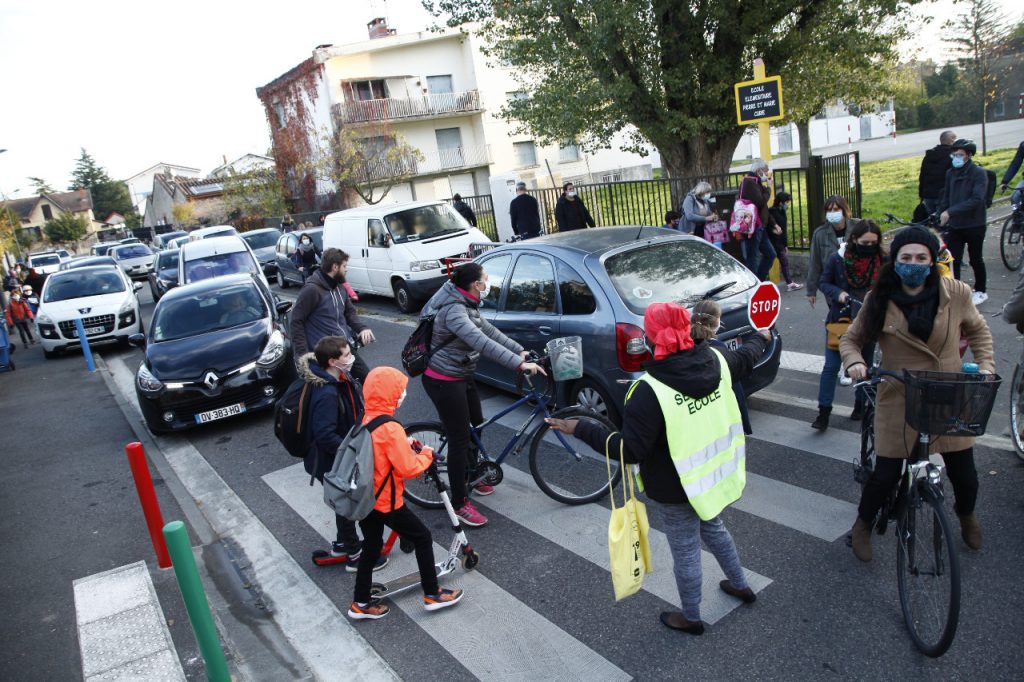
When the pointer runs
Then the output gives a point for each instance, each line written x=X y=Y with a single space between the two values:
x=914 y=235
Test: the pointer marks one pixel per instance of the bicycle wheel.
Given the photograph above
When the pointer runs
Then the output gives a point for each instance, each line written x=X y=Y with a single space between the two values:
x=1011 y=246
x=420 y=490
x=928 y=572
x=557 y=470
x=1017 y=411
x=866 y=465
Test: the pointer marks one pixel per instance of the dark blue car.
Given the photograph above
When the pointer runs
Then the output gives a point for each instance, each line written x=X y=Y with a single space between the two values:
x=597 y=284
x=287 y=269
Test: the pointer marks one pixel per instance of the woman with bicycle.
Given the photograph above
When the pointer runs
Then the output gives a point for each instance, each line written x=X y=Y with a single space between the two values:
x=916 y=317
x=848 y=276
x=459 y=338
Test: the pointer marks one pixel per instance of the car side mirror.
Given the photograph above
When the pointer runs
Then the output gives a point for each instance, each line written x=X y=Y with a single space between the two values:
x=137 y=340
x=137 y=286
x=283 y=307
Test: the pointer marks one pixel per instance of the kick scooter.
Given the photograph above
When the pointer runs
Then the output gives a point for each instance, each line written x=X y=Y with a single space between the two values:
x=322 y=557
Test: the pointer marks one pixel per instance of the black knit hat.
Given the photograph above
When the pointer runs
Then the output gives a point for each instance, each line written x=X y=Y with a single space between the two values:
x=914 y=235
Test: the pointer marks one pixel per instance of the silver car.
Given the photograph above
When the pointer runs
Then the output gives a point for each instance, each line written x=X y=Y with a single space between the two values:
x=135 y=259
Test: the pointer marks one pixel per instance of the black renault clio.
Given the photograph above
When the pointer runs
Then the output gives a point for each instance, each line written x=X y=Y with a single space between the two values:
x=215 y=349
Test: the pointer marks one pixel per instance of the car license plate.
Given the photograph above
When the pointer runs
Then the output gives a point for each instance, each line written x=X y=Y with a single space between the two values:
x=733 y=343
x=89 y=331
x=214 y=415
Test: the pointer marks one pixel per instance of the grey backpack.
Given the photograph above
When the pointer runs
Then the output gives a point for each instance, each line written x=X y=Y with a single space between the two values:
x=348 y=486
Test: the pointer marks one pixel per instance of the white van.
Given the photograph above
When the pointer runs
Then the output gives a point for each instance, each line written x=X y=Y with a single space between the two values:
x=211 y=231
x=216 y=256
x=398 y=250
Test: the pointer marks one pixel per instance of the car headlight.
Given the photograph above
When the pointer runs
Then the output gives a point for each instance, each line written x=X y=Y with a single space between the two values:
x=423 y=265
x=273 y=351
x=128 y=305
x=43 y=318
x=147 y=382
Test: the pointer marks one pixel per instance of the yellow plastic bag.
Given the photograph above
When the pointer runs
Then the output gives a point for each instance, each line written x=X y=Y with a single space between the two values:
x=628 y=528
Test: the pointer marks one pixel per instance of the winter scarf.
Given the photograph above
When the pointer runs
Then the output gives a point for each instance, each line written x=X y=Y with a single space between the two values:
x=919 y=310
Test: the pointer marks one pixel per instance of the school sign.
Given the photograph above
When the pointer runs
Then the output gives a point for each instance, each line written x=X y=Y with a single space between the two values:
x=759 y=101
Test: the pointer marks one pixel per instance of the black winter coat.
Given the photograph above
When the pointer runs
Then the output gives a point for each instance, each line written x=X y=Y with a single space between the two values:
x=964 y=197
x=934 y=165
x=525 y=214
x=572 y=215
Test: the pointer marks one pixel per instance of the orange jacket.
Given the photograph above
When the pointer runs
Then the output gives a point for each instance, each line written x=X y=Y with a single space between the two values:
x=381 y=391
x=17 y=311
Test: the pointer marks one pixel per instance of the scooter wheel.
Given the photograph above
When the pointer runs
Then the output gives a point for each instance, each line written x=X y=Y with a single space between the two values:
x=377 y=589
x=406 y=545
x=470 y=560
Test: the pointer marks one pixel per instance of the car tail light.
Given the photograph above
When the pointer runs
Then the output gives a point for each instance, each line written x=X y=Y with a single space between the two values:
x=629 y=346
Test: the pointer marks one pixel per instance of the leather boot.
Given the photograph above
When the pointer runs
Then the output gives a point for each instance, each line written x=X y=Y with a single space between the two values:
x=862 y=540
x=970 y=531
x=821 y=422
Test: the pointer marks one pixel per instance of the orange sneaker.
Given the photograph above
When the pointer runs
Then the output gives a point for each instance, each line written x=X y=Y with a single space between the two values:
x=441 y=600
x=375 y=610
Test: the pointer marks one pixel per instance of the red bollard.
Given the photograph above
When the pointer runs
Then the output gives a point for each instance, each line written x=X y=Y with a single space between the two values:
x=150 y=506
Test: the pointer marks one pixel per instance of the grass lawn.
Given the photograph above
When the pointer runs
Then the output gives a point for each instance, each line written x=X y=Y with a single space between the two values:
x=891 y=186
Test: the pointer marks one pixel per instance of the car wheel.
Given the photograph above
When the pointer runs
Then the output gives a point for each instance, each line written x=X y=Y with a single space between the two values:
x=587 y=394
x=281 y=281
x=154 y=292
x=403 y=298
x=49 y=354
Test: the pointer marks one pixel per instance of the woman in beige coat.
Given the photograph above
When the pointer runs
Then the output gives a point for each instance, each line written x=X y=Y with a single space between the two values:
x=916 y=316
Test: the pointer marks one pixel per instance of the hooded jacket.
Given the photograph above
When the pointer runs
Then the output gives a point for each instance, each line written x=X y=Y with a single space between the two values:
x=391 y=450
x=932 y=177
x=459 y=315
x=695 y=373
x=18 y=311
x=323 y=308
x=335 y=406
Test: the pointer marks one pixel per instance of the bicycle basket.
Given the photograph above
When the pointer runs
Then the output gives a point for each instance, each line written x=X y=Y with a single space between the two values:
x=949 y=403
x=566 y=358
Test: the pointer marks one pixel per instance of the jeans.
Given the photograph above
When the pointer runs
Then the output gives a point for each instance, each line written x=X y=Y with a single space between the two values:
x=959 y=468
x=782 y=253
x=758 y=248
x=406 y=524
x=974 y=239
x=830 y=375
x=458 y=405
x=684 y=531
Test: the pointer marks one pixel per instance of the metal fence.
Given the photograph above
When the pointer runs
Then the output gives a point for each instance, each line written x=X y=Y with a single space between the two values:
x=483 y=207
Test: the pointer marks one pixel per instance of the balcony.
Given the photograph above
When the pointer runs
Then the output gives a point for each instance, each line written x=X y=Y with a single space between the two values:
x=441 y=161
x=427 y=106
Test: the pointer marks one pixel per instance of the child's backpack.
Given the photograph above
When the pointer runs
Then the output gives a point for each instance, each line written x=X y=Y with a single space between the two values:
x=291 y=419
x=348 y=486
x=416 y=353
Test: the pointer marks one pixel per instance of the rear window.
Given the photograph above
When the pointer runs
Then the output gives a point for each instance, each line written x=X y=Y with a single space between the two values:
x=47 y=259
x=207 y=312
x=261 y=240
x=675 y=271
x=101 y=249
x=132 y=251
x=168 y=261
x=64 y=286
x=217 y=265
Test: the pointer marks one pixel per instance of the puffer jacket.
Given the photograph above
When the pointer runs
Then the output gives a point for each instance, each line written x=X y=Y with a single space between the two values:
x=335 y=406
x=391 y=450
x=964 y=197
x=458 y=315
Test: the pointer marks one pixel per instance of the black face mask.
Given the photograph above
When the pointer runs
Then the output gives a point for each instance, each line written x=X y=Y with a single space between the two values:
x=866 y=250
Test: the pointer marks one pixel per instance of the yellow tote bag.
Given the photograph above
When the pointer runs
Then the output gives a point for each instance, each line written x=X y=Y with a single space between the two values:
x=628 y=528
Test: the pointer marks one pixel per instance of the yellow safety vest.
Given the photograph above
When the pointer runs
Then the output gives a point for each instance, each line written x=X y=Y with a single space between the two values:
x=706 y=442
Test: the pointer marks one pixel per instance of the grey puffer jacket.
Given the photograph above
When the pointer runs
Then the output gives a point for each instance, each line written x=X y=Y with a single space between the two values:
x=458 y=315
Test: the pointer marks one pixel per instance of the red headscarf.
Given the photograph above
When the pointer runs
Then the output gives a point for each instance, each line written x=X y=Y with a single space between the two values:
x=667 y=326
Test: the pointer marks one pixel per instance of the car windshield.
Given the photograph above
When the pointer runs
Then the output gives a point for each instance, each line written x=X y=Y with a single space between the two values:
x=132 y=251
x=88 y=262
x=261 y=240
x=207 y=312
x=168 y=261
x=44 y=259
x=424 y=223
x=217 y=265
x=166 y=238
x=675 y=271
x=64 y=286
x=101 y=249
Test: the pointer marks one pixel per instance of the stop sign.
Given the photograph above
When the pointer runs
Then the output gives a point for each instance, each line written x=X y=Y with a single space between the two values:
x=764 y=307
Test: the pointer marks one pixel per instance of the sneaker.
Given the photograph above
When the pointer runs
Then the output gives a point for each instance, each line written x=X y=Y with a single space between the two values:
x=442 y=600
x=979 y=297
x=338 y=549
x=468 y=514
x=793 y=286
x=352 y=565
x=375 y=610
x=845 y=380
x=482 y=489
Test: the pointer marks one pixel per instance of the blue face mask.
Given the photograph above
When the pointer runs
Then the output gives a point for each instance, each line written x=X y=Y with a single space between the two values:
x=912 y=274
x=959 y=161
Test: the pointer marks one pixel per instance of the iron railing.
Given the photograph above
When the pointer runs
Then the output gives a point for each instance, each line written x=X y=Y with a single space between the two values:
x=395 y=109
x=483 y=207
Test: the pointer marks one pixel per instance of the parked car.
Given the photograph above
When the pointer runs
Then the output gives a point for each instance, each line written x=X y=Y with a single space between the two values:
x=44 y=262
x=64 y=254
x=178 y=242
x=164 y=275
x=101 y=296
x=287 y=270
x=211 y=231
x=88 y=261
x=162 y=241
x=215 y=349
x=399 y=250
x=102 y=248
x=587 y=283
x=215 y=257
x=130 y=240
x=135 y=259
x=263 y=243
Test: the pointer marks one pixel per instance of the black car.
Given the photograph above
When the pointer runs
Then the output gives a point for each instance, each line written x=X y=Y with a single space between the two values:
x=264 y=246
x=164 y=275
x=215 y=349
x=287 y=271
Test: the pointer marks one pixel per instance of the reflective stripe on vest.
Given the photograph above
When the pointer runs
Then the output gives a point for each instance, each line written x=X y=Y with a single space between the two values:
x=706 y=442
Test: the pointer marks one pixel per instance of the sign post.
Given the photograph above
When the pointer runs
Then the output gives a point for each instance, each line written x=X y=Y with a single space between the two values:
x=765 y=304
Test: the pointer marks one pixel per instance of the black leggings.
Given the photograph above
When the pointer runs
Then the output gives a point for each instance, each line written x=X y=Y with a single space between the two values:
x=458 y=405
x=974 y=239
x=959 y=467
x=406 y=524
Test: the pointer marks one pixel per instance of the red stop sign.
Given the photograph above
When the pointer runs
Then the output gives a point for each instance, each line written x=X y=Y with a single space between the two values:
x=764 y=307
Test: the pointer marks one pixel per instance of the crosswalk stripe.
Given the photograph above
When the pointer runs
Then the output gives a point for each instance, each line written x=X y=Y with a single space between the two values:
x=487 y=608
x=837 y=444
x=802 y=362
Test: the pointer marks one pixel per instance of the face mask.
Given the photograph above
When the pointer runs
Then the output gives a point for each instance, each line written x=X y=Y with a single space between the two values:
x=866 y=250
x=346 y=363
x=705 y=197
x=483 y=286
x=763 y=178
x=401 y=398
x=571 y=195
x=16 y=298
x=834 y=217
x=305 y=241
x=959 y=161
x=912 y=274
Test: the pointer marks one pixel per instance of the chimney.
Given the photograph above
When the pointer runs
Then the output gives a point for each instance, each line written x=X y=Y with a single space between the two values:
x=378 y=28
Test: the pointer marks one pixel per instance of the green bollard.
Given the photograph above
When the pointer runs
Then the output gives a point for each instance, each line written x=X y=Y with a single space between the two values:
x=195 y=601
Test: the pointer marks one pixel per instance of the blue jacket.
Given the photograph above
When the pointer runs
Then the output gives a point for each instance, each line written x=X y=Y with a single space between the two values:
x=964 y=197
x=334 y=407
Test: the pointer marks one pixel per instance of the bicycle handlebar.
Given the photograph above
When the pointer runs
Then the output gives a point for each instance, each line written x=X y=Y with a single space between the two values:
x=931 y=221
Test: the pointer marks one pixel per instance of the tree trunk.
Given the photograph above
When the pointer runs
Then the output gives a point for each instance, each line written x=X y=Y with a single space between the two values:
x=686 y=162
x=984 y=115
x=804 y=133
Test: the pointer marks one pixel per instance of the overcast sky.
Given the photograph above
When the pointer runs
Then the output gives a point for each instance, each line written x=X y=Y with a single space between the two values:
x=139 y=83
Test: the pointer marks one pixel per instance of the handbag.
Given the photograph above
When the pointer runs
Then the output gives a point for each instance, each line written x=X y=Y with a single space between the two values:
x=628 y=548
x=836 y=330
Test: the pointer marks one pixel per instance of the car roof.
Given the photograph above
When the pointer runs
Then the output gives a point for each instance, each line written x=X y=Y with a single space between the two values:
x=89 y=261
x=43 y=253
x=259 y=231
x=596 y=240
x=106 y=267
x=212 y=228
x=309 y=230
x=118 y=247
x=377 y=209
x=212 y=246
x=210 y=284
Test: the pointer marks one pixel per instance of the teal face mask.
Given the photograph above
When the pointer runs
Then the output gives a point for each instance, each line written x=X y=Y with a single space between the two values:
x=959 y=161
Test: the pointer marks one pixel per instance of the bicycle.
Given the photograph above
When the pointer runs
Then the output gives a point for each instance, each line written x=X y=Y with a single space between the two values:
x=928 y=563
x=564 y=468
x=1011 y=239
x=1017 y=405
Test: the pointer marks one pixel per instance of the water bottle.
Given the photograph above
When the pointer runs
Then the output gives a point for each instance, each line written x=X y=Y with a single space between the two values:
x=969 y=368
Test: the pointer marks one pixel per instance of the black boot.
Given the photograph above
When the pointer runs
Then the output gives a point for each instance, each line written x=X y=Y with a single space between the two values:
x=821 y=423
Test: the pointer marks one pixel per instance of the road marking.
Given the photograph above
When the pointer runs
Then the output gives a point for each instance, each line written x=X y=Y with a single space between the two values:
x=837 y=444
x=802 y=362
x=122 y=632
x=532 y=647
x=309 y=620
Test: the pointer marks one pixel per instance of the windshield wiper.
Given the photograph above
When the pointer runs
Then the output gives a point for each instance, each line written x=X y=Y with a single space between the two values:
x=710 y=293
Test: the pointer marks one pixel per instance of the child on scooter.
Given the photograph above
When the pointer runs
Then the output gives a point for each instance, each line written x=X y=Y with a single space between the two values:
x=394 y=459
